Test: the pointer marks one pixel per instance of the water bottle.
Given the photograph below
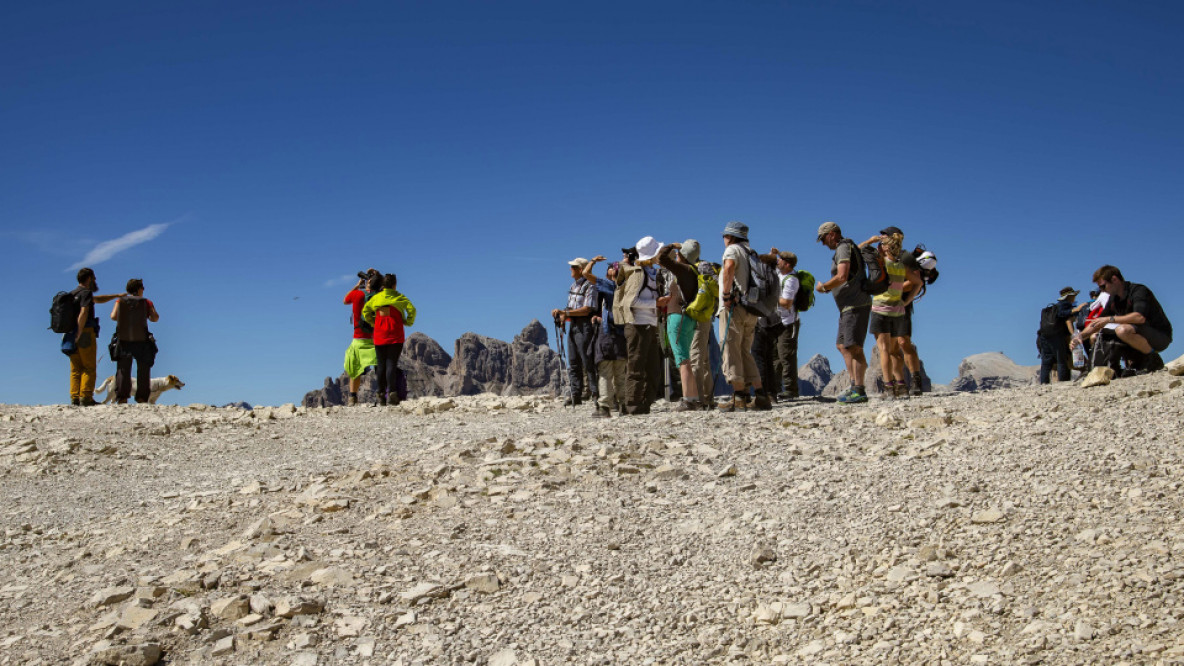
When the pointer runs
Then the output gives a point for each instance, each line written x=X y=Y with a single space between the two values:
x=1078 y=353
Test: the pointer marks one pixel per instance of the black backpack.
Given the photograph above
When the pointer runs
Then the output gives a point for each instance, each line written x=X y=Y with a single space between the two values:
x=63 y=312
x=1051 y=324
x=871 y=272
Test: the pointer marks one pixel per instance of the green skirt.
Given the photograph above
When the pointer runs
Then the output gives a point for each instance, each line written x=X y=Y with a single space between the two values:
x=360 y=356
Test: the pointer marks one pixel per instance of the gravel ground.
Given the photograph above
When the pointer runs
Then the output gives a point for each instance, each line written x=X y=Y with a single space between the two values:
x=1038 y=525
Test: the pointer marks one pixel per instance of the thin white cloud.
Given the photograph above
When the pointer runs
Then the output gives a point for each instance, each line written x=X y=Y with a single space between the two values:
x=107 y=249
x=338 y=281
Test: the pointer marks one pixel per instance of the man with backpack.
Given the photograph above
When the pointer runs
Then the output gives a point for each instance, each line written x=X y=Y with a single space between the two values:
x=1138 y=319
x=1052 y=338
x=360 y=355
x=848 y=275
x=131 y=315
x=76 y=310
x=581 y=338
x=639 y=284
x=787 y=310
x=738 y=320
x=611 y=348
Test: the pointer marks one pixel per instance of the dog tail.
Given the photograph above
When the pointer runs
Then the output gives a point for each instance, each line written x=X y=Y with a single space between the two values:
x=105 y=386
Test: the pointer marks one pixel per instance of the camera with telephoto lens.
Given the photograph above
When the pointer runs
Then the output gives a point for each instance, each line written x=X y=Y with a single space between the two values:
x=363 y=276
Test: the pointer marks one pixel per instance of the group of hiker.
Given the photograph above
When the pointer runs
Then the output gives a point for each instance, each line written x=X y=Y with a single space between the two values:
x=656 y=306
x=1122 y=327
x=73 y=314
x=380 y=312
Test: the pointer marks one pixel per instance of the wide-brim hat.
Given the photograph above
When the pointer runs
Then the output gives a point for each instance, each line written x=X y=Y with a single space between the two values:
x=736 y=230
x=647 y=248
x=1068 y=292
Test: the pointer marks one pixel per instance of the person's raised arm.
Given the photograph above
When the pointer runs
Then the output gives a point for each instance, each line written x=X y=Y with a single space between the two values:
x=152 y=314
x=587 y=272
x=108 y=297
x=115 y=312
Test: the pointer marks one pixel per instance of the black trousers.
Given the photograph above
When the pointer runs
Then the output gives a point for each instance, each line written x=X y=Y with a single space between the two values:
x=144 y=356
x=787 y=356
x=1054 y=351
x=388 y=366
x=764 y=352
x=643 y=354
x=581 y=356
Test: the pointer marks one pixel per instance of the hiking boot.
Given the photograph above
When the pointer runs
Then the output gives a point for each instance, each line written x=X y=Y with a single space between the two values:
x=602 y=413
x=572 y=402
x=915 y=390
x=762 y=402
x=382 y=401
x=75 y=401
x=353 y=400
x=853 y=397
x=686 y=405
x=736 y=403
x=708 y=404
x=786 y=396
x=1151 y=362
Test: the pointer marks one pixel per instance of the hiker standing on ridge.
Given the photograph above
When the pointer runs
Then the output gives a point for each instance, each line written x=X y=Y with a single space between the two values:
x=787 y=341
x=890 y=322
x=388 y=311
x=855 y=307
x=359 y=356
x=84 y=361
x=1052 y=338
x=131 y=315
x=636 y=306
x=581 y=336
x=610 y=343
x=737 y=325
x=680 y=327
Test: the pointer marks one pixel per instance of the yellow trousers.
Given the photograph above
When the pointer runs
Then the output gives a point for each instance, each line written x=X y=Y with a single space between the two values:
x=84 y=365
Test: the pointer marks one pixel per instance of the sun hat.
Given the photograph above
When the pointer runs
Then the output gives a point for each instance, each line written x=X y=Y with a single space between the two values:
x=578 y=262
x=647 y=248
x=690 y=250
x=1068 y=292
x=825 y=229
x=737 y=230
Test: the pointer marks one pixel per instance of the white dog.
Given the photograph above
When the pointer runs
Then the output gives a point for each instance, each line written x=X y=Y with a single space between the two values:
x=158 y=385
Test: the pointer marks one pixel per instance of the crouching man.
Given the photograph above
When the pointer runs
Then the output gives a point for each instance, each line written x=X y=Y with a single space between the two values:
x=1141 y=322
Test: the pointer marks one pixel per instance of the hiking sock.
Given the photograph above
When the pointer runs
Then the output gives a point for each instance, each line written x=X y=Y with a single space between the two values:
x=859 y=390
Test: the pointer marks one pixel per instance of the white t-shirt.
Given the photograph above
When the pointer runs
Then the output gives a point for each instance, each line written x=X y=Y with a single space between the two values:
x=789 y=289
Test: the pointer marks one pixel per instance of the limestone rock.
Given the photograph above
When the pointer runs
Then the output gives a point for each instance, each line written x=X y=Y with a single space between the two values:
x=814 y=375
x=142 y=654
x=1099 y=376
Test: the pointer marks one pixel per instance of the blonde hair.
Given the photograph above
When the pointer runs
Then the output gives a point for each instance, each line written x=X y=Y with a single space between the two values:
x=892 y=244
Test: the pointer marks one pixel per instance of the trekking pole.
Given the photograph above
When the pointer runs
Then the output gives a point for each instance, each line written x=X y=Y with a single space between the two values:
x=563 y=378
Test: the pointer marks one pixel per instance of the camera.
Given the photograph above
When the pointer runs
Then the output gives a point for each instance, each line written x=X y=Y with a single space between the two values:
x=363 y=276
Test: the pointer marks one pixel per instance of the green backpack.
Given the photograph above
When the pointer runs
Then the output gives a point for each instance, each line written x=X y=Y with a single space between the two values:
x=706 y=300
x=804 y=299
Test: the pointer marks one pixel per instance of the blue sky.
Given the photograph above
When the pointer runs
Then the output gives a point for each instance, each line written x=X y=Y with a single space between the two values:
x=263 y=150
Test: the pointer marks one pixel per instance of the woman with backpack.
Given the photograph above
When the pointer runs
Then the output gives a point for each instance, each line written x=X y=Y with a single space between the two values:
x=680 y=327
x=890 y=321
x=388 y=312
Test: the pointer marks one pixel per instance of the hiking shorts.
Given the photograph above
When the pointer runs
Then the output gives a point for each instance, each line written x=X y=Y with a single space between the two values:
x=897 y=327
x=853 y=326
x=359 y=356
x=1158 y=340
x=680 y=329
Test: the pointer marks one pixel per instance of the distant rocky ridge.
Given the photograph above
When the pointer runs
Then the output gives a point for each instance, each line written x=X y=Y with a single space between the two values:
x=992 y=370
x=527 y=366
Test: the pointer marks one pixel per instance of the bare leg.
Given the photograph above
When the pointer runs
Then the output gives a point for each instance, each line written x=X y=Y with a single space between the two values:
x=1127 y=334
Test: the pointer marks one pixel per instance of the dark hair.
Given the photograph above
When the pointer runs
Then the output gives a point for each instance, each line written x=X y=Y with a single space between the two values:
x=134 y=285
x=374 y=283
x=1106 y=272
x=389 y=281
x=85 y=274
